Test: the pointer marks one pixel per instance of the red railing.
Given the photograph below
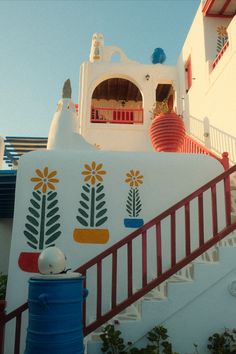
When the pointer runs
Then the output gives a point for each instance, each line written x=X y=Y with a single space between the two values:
x=191 y=146
x=217 y=59
x=143 y=235
x=5 y=318
x=117 y=116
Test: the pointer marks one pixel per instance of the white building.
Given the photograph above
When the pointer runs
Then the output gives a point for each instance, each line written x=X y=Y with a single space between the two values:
x=159 y=219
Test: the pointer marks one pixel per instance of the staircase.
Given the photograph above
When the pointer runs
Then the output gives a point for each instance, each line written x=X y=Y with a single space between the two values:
x=171 y=300
x=150 y=268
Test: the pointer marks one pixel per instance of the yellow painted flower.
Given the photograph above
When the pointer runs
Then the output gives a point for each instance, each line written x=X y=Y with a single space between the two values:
x=222 y=32
x=134 y=178
x=45 y=180
x=93 y=173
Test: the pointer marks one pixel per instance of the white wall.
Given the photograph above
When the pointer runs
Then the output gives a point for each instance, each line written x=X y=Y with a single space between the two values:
x=117 y=136
x=212 y=311
x=212 y=95
x=164 y=183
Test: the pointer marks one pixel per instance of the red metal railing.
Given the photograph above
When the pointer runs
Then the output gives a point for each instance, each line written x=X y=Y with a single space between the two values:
x=193 y=147
x=5 y=318
x=217 y=59
x=117 y=116
x=142 y=234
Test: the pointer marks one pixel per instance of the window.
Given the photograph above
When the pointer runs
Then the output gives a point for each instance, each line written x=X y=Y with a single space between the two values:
x=188 y=74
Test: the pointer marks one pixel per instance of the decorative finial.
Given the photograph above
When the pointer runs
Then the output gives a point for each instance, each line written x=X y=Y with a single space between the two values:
x=66 y=92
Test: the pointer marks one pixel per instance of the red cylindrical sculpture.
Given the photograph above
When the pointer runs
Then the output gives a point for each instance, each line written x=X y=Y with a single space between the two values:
x=167 y=132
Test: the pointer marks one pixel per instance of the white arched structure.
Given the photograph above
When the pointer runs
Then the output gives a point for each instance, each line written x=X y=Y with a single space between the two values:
x=131 y=137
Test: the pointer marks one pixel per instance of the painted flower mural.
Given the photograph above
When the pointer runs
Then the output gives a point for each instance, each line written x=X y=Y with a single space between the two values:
x=42 y=227
x=44 y=180
x=133 y=204
x=92 y=211
x=93 y=173
x=222 y=38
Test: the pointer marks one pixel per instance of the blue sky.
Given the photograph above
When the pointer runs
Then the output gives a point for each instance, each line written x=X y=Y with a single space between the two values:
x=42 y=43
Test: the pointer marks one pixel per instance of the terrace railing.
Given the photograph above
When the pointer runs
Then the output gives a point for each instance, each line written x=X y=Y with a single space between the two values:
x=191 y=146
x=117 y=116
x=219 y=56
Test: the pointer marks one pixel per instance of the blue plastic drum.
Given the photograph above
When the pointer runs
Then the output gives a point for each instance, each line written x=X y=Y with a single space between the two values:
x=55 y=316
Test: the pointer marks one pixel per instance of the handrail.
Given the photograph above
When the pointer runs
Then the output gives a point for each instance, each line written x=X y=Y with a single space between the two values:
x=190 y=145
x=116 y=115
x=220 y=54
x=5 y=318
x=142 y=234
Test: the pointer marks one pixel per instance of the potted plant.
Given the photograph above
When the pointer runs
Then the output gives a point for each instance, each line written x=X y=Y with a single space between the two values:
x=167 y=129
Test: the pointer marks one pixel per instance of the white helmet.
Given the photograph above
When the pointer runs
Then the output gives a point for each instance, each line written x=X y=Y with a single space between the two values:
x=51 y=261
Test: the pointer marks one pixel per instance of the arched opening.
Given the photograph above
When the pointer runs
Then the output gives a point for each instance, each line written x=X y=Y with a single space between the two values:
x=165 y=95
x=117 y=101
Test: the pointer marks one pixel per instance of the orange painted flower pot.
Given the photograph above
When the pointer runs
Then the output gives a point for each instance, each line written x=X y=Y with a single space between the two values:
x=28 y=262
x=97 y=236
x=167 y=132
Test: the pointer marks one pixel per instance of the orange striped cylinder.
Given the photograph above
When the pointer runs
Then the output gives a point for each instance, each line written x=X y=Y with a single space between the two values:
x=167 y=132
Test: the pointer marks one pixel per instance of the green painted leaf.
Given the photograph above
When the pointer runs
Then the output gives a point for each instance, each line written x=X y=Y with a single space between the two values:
x=101 y=221
x=100 y=205
x=32 y=220
x=129 y=204
x=35 y=204
x=84 y=205
x=128 y=207
x=53 y=220
x=99 y=188
x=83 y=213
x=130 y=199
x=34 y=212
x=100 y=196
x=31 y=237
x=52 y=212
x=31 y=229
x=101 y=213
x=52 y=229
x=129 y=212
x=37 y=196
x=85 y=197
x=82 y=221
x=86 y=188
x=51 y=196
x=31 y=245
x=53 y=238
x=52 y=204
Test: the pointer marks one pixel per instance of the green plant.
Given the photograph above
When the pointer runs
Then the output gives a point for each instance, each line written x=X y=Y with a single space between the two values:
x=222 y=343
x=112 y=343
x=157 y=337
x=3 y=286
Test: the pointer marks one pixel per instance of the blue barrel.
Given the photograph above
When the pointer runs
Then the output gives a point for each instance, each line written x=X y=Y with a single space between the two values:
x=55 y=316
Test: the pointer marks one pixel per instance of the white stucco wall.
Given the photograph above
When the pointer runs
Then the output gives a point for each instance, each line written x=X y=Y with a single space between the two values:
x=164 y=183
x=212 y=95
x=119 y=137
x=210 y=312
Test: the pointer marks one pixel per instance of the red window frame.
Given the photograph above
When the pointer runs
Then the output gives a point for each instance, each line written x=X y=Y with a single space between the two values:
x=188 y=73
